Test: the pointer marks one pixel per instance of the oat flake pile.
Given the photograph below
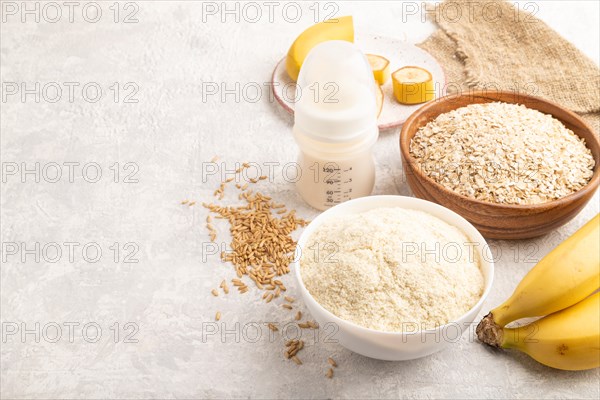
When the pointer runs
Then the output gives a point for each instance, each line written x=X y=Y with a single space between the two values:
x=503 y=153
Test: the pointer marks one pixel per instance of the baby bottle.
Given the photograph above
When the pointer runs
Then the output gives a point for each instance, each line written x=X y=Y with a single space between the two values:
x=335 y=125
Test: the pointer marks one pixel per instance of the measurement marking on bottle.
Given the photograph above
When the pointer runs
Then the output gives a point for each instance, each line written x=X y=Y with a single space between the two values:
x=339 y=182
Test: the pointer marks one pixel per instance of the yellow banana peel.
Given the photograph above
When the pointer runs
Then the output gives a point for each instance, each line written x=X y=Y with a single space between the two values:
x=567 y=275
x=560 y=287
x=568 y=339
x=341 y=28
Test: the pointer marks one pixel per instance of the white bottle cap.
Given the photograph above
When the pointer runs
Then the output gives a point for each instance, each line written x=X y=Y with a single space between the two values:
x=335 y=94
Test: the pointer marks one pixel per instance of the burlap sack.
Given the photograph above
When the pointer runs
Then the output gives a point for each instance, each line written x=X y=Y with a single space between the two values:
x=489 y=44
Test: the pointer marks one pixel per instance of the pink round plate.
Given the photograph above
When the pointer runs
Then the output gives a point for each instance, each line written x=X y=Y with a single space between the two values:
x=399 y=52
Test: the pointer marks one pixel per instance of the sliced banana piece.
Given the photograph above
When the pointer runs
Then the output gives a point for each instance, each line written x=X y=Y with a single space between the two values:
x=379 y=96
x=381 y=68
x=413 y=85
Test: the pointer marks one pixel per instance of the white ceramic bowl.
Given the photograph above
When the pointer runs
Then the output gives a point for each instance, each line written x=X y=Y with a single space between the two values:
x=394 y=345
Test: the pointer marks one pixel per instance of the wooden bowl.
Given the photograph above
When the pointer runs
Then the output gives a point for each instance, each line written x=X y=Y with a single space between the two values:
x=500 y=221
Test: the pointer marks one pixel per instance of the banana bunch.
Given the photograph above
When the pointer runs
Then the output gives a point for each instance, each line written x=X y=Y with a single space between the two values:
x=562 y=287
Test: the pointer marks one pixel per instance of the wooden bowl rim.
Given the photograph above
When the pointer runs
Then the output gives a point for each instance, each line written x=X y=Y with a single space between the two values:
x=591 y=186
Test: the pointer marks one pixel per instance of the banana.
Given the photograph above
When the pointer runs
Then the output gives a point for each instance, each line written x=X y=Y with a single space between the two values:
x=381 y=68
x=567 y=275
x=568 y=339
x=341 y=28
x=379 y=97
x=413 y=85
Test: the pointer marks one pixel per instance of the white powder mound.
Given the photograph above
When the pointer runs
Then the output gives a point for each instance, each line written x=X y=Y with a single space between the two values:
x=392 y=269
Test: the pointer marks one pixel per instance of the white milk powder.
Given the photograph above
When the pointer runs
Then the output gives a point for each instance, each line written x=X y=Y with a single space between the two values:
x=392 y=269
